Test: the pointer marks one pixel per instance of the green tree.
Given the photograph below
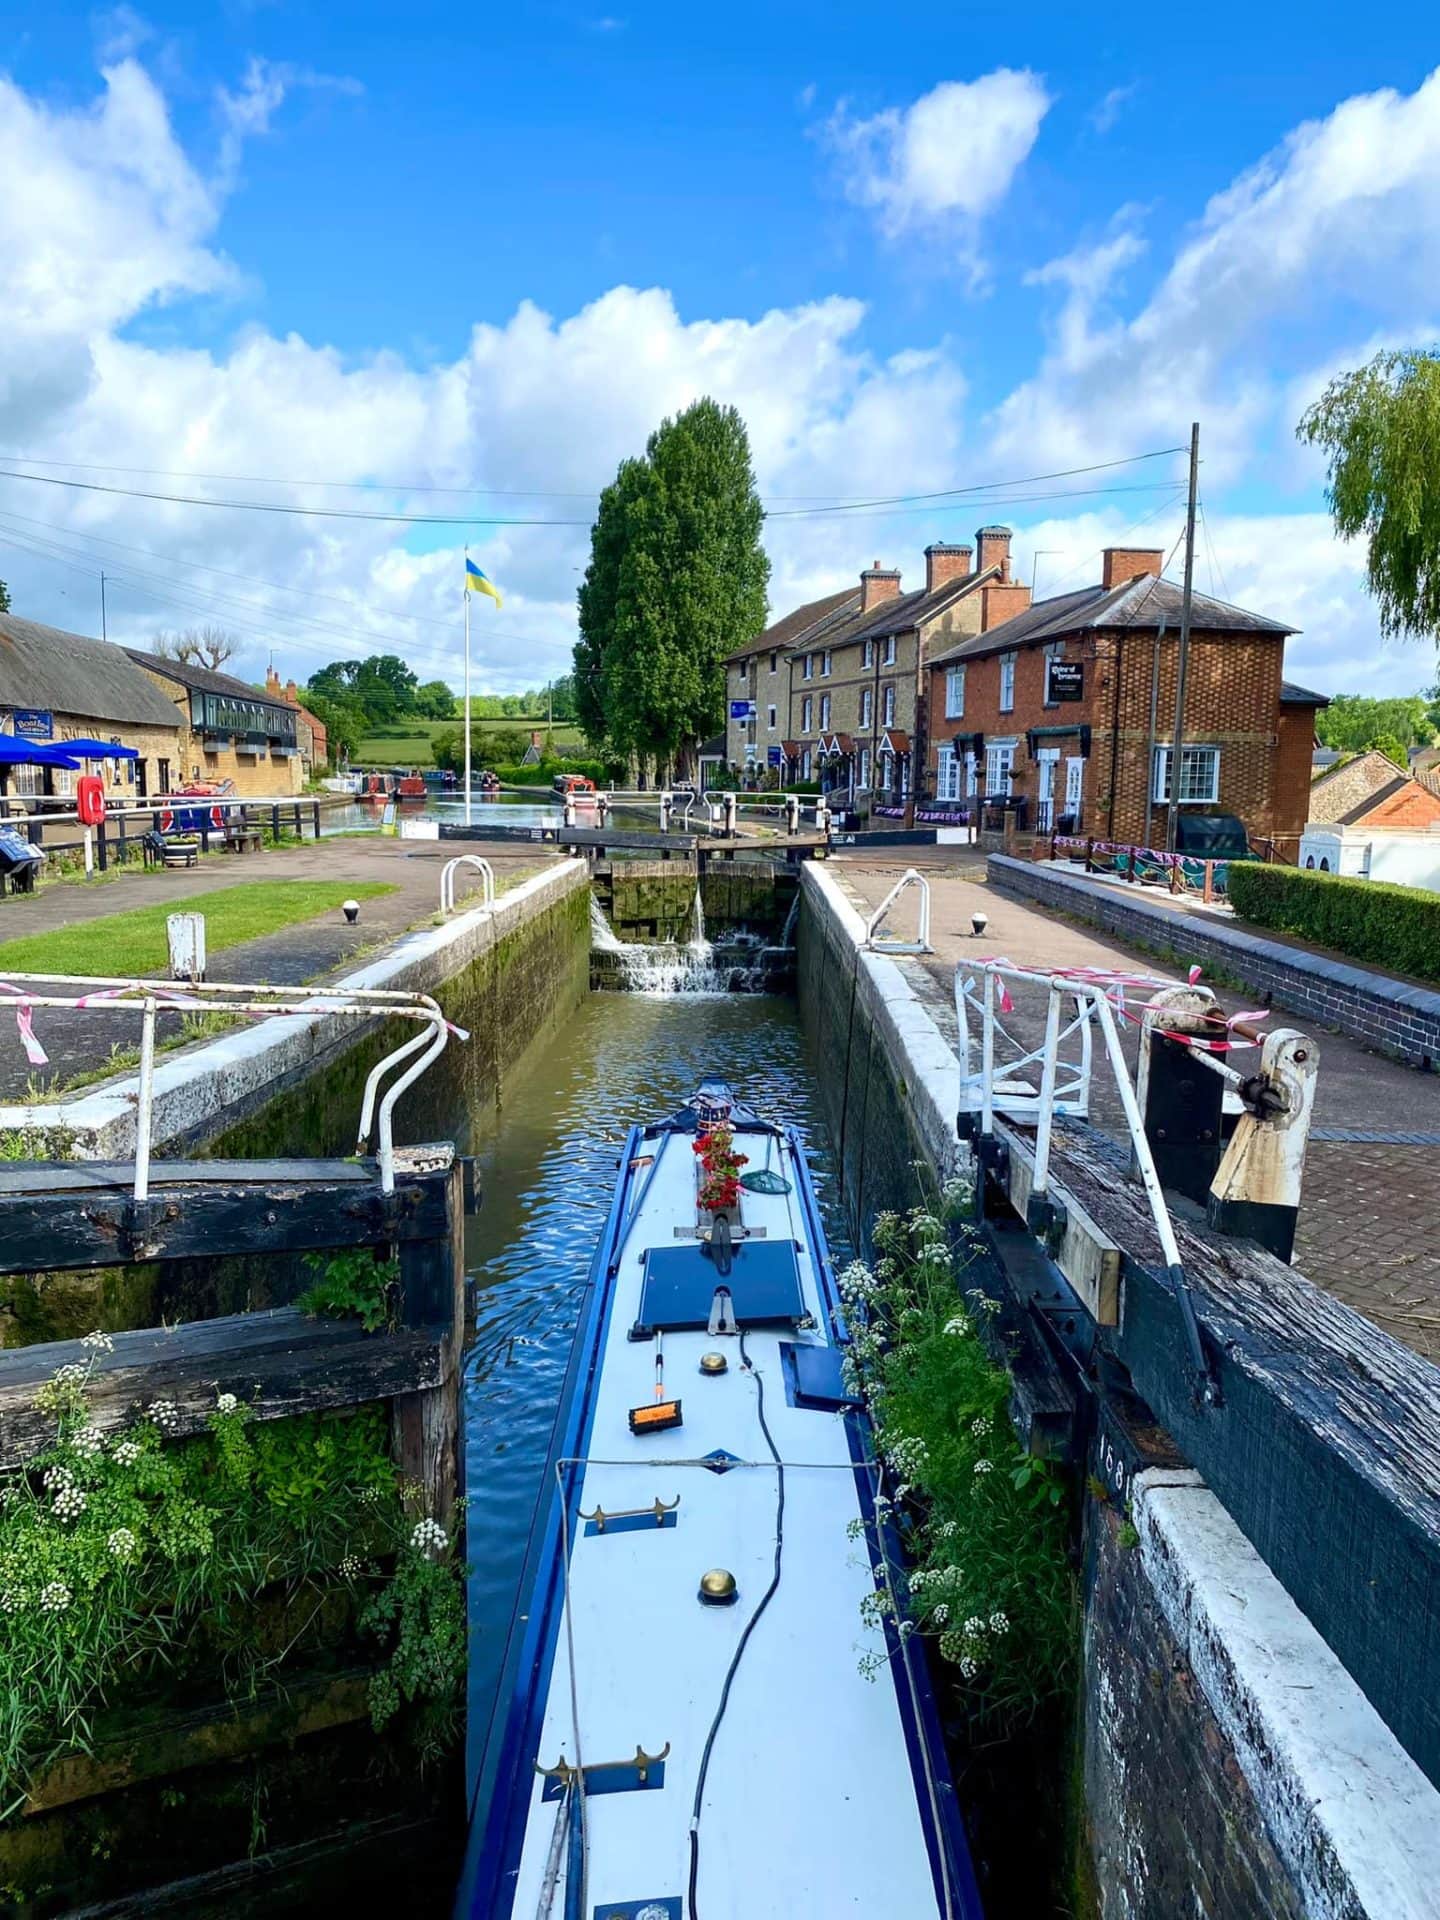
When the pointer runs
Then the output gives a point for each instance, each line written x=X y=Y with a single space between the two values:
x=1394 y=750
x=4 y=598
x=448 y=747
x=1354 y=722
x=435 y=700
x=503 y=746
x=677 y=574
x=1380 y=428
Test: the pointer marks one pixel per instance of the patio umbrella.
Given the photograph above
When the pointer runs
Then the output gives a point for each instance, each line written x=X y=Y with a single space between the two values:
x=98 y=749
x=27 y=753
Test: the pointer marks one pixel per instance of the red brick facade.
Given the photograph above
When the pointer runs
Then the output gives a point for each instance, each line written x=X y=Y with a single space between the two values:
x=1255 y=746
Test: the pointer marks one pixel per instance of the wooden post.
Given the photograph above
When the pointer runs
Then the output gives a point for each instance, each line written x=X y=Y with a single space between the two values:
x=275 y=825
x=100 y=847
x=425 y=1426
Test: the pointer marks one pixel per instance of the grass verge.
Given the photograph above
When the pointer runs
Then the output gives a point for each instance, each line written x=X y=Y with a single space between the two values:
x=134 y=942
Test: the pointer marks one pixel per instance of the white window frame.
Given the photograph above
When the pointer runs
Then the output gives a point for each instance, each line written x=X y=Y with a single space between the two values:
x=770 y=719
x=999 y=763
x=867 y=706
x=887 y=656
x=1194 y=755
x=774 y=660
x=887 y=706
x=824 y=713
x=947 y=773
x=807 y=714
x=972 y=775
x=1007 y=683
x=867 y=653
x=825 y=664
x=807 y=667
x=955 y=693
x=806 y=763
x=862 y=770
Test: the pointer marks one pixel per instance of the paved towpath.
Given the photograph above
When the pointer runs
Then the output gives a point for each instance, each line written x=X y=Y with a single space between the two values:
x=1369 y=1228
x=311 y=950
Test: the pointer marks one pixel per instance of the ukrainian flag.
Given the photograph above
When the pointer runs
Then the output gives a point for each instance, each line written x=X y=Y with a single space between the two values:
x=477 y=582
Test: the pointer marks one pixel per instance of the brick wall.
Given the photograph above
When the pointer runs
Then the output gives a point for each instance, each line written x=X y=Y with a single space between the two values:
x=1293 y=767
x=1391 y=1016
x=983 y=712
x=1412 y=806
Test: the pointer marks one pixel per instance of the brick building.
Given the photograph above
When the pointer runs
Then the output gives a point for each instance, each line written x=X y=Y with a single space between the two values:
x=57 y=686
x=839 y=684
x=1070 y=704
x=1370 y=788
x=228 y=730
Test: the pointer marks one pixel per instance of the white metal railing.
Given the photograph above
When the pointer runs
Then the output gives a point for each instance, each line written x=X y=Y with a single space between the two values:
x=149 y=998
x=921 y=942
x=447 y=880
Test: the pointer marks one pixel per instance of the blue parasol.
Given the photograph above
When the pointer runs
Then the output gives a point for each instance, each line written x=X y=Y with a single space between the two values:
x=26 y=753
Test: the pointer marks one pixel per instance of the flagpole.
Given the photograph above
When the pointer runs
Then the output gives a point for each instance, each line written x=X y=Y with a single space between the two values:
x=466 y=591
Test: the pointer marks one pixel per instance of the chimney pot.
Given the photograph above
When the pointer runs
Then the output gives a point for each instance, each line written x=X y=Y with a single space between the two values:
x=878 y=584
x=944 y=563
x=1122 y=564
x=993 y=550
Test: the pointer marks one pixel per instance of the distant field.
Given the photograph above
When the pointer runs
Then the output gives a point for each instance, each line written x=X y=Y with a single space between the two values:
x=412 y=749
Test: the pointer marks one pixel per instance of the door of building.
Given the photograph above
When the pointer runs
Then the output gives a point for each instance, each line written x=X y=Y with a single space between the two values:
x=142 y=777
x=162 y=775
x=1049 y=759
x=1074 y=787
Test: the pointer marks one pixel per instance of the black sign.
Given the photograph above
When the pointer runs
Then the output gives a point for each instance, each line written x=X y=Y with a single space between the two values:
x=1067 y=679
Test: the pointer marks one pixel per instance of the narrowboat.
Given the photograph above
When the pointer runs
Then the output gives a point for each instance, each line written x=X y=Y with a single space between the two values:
x=698 y=1720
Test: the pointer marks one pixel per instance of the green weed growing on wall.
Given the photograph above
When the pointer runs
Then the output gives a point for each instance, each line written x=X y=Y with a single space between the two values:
x=982 y=1522
x=125 y=1555
x=352 y=1284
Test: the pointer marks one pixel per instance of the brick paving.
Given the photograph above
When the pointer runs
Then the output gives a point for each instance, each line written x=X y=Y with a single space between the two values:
x=311 y=950
x=1369 y=1228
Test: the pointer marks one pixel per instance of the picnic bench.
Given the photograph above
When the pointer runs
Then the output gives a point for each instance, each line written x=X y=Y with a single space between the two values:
x=241 y=838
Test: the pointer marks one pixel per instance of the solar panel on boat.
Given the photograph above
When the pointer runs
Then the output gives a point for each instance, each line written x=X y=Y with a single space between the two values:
x=679 y=1286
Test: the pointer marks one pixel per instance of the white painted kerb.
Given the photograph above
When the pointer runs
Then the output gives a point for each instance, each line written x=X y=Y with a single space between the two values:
x=1354 y=1819
x=196 y=1088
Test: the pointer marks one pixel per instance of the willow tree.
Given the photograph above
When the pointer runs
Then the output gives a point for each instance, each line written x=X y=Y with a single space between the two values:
x=676 y=581
x=1380 y=428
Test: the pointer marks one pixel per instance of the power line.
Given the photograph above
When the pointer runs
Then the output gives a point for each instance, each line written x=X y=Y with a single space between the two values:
x=842 y=508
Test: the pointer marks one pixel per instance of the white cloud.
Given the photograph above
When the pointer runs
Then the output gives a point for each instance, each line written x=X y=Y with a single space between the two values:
x=1107 y=111
x=948 y=158
x=1345 y=209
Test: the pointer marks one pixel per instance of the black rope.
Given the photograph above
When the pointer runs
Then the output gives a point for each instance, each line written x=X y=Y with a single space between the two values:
x=750 y=1627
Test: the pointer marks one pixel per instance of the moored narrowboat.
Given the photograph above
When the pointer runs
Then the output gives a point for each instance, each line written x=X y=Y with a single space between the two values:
x=699 y=1720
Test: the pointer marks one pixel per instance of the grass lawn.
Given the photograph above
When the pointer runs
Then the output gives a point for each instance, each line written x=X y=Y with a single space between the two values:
x=411 y=747
x=134 y=942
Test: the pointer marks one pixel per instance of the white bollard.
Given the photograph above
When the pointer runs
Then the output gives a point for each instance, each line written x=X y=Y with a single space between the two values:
x=569 y=811
x=186 y=939
x=667 y=805
x=731 y=805
x=792 y=813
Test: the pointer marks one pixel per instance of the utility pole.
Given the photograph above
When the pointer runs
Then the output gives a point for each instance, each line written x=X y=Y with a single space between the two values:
x=1183 y=667
x=104 y=628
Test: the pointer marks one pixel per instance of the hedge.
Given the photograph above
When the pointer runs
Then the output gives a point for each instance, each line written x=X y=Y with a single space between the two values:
x=543 y=774
x=1394 y=927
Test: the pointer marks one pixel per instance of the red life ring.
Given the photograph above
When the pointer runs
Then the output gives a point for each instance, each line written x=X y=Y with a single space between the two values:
x=217 y=819
x=90 y=799
x=167 y=819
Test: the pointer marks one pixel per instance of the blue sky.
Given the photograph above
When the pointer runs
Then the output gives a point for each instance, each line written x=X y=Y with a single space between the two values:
x=919 y=250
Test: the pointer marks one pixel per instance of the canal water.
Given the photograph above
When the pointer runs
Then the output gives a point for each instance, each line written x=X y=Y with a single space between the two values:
x=547 y=1165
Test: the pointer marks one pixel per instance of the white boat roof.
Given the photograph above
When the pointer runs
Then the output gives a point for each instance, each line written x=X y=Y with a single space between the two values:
x=821 y=1796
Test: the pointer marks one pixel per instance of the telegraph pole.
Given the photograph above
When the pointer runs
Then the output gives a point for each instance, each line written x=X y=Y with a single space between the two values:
x=104 y=627
x=1183 y=667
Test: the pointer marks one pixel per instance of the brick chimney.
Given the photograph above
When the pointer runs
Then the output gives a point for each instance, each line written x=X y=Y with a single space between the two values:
x=993 y=544
x=272 y=682
x=878 y=584
x=1125 y=563
x=292 y=693
x=944 y=563
x=1002 y=602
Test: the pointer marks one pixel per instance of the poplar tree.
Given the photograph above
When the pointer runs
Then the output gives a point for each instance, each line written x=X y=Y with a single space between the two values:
x=1380 y=428
x=676 y=581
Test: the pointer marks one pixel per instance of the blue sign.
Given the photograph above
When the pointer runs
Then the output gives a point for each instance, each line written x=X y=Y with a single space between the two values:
x=742 y=709
x=774 y=757
x=34 y=723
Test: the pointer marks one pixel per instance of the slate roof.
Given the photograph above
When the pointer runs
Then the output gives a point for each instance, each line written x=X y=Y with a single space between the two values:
x=72 y=674
x=783 y=634
x=899 y=615
x=1138 y=605
x=1295 y=696
x=1347 y=792
x=206 y=680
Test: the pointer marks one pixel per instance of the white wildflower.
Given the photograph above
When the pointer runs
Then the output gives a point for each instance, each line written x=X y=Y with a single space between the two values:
x=69 y=1376
x=127 y=1452
x=940 y=1615
x=55 y=1596
x=980 y=1427
x=122 y=1543
x=968 y=1669
x=368 y=1496
x=88 y=1442
x=57 y=1478
x=226 y=1403
x=350 y=1566
x=957 y=1325
x=166 y=1415
x=948 y=1529
x=999 y=1623
x=984 y=1466
x=70 y=1503
x=98 y=1342
x=975 y=1627
x=12 y=1599
x=428 y=1535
